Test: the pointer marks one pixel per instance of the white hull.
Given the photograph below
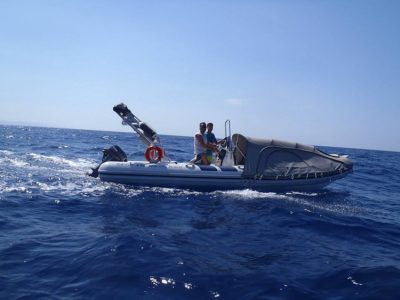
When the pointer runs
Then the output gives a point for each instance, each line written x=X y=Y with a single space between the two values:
x=189 y=176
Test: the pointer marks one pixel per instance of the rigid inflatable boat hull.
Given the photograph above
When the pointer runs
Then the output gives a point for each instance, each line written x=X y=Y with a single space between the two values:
x=206 y=178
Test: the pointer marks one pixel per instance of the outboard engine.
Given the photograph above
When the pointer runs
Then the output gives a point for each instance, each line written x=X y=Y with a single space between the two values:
x=114 y=153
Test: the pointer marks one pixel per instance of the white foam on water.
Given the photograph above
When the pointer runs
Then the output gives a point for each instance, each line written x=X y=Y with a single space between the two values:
x=19 y=189
x=6 y=152
x=215 y=294
x=248 y=194
x=14 y=162
x=308 y=201
x=81 y=163
x=124 y=190
x=33 y=170
x=313 y=205
x=43 y=186
x=303 y=194
x=78 y=163
x=94 y=189
x=175 y=191
x=64 y=187
x=161 y=280
x=73 y=188
x=353 y=281
x=188 y=285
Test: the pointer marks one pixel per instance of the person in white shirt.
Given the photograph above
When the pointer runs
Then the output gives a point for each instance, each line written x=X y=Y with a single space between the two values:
x=200 y=146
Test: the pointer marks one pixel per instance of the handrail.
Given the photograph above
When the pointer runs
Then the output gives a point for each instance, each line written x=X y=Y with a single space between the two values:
x=228 y=131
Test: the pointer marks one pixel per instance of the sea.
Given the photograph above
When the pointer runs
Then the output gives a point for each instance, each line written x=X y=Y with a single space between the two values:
x=64 y=235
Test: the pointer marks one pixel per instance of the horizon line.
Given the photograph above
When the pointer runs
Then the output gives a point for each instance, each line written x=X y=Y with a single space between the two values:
x=16 y=124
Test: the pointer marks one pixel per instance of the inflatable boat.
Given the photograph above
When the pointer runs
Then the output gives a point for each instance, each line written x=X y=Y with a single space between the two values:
x=247 y=163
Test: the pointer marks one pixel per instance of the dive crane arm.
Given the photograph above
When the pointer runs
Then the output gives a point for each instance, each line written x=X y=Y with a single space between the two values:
x=148 y=136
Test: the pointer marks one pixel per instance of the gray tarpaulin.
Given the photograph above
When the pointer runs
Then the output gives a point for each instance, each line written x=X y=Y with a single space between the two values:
x=274 y=158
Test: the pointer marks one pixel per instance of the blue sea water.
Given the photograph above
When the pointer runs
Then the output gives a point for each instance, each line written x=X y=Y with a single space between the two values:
x=64 y=235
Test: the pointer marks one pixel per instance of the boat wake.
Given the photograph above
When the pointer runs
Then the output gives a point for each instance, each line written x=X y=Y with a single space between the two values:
x=35 y=173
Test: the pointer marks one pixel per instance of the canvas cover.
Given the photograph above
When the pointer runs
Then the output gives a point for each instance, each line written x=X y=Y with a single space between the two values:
x=270 y=158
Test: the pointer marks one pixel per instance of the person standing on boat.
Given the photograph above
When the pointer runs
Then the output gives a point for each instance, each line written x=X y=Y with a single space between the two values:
x=200 y=146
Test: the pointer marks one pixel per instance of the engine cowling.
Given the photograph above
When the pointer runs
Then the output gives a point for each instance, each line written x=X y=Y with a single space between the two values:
x=114 y=153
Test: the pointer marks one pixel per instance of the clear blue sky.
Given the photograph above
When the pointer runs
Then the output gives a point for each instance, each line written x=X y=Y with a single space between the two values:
x=316 y=72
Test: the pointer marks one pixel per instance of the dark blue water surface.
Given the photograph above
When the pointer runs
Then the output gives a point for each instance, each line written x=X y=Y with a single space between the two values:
x=64 y=235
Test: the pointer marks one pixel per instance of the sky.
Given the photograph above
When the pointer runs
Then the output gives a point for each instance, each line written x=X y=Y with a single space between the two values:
x=315 y=72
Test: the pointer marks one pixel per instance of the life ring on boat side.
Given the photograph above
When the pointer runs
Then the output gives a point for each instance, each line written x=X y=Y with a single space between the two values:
x=151 y=156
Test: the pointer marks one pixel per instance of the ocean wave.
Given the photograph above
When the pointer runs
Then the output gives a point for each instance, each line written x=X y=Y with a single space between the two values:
x=306 y=201
x=13 y=162
x=58 y=160
x=309 y=202
x=58 y=186
x=36 y=160
x=10 y=189
x=6 y=152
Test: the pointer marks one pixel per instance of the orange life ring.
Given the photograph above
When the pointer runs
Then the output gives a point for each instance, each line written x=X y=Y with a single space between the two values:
x=150 y=154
